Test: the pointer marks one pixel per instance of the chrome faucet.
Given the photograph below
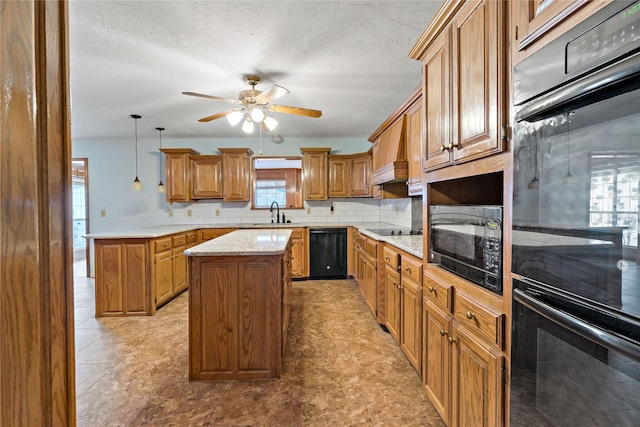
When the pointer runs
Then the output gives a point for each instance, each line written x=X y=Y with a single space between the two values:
x=278 y=212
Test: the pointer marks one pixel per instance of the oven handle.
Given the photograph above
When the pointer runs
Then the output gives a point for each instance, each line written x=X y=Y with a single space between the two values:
x=589 y=85
x=578 y=326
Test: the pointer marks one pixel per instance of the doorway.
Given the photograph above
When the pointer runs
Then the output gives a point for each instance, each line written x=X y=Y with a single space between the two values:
x=80 y=220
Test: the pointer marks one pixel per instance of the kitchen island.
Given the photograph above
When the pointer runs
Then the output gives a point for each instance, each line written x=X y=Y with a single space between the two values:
x=239 y=305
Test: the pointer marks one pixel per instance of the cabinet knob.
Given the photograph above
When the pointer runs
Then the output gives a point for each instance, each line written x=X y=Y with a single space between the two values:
x=443 y=332
x=452 y=340
x=431 y=289
x=408 y=269
x=470 y=315
x=387 y=258
x=443 y=147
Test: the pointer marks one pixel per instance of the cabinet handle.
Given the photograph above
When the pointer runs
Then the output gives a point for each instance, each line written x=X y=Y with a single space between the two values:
x=431 y=289
x=443 y=332
x=470 y=315
x=452 y=340
x=443 y=147
x=408 y=269
x=395 y=284
x=387 y=258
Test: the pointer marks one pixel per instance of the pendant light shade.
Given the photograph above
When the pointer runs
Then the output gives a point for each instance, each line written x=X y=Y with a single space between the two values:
x=161 y=187
x=257 y=115
x=137 y=185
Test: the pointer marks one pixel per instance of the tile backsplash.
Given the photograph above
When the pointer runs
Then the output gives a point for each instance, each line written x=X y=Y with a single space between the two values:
x=416 y=212
x=349 y=210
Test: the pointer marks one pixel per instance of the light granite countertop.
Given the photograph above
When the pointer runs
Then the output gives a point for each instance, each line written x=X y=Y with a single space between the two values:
x=244 y=243
x=409 y=243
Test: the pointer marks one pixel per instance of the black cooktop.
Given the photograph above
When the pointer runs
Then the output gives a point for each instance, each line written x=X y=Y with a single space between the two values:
x=396 y=231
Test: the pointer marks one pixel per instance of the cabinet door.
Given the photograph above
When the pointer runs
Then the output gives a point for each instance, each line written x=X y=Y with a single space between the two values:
x=370 y=282
x=315 y=175
x=178 y=176
x=477 y=389
x=179 y=270
x=436 y=103
x=206 y=177
x=163 y=266
x=436 y=355
x=339 y=177
x=236 y=167
x=411 y=322
x=360 y=177
x=109 y=279
x=478 y=74
x=414 y=142
x=135 y=278
x=392 y=301
x=297 y=258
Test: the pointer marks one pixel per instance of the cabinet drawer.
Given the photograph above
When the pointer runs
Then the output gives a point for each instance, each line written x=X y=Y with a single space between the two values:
x=439 y=293
x=192 y=238
x=372 y=248
x=413 y=268
x=163 y=244
x=391 y=257
x=484 y=321
x=179 y=240
x=296 y=233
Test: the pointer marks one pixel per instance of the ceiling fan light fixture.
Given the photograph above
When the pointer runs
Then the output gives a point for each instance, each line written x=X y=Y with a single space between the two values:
x=235 y=117
x=270 y=123
x=247 y=126
x=257 y=115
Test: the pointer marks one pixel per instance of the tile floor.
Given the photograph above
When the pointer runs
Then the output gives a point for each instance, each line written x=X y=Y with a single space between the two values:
x=340 y=369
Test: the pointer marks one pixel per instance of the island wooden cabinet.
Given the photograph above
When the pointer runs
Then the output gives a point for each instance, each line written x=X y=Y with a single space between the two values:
x=212 y=233
x=314 y=173
x=236 y=181
x=238 y=314
x=468 y=59
x=178 y=173
x=463 y=357
x=206 y=177
x=411 y=310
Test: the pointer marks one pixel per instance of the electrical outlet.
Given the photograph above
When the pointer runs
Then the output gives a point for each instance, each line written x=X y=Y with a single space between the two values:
x=188 y=212
x=308 y=210
x=397 y=210
x=331 y=211
x=103 y=212
x=217 y=212
x=170 y=212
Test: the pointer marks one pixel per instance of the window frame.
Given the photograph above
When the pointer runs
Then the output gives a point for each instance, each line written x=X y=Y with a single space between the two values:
x=292 y=176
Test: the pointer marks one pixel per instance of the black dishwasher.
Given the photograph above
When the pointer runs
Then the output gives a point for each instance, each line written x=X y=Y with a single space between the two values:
x=328 y=253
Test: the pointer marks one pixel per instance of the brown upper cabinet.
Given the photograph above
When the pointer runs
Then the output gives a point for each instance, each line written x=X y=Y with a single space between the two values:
x=178 y=173
x=206 y=177
x=236 y=180
x=349 y=175
x=314 y=173
x=415 y=132
x=464 y=82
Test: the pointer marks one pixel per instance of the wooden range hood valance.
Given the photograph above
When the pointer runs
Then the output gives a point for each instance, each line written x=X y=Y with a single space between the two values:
x=390 y=162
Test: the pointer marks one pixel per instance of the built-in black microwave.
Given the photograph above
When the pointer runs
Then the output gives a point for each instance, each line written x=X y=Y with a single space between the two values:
x=467 y=240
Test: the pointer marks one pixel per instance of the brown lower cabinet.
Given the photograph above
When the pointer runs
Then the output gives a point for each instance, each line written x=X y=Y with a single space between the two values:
x=462 y=355
x=136 y=276
x=238 y=316
x=366 y=267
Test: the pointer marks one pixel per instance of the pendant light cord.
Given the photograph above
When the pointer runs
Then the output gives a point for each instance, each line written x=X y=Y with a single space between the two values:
x=136 y=129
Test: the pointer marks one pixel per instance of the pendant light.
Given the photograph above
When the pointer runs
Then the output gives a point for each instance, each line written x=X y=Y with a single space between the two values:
x=137 y=185
x=161 y=187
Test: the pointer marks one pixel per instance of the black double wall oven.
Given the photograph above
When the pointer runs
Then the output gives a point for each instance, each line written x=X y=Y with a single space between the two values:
x=575 y=355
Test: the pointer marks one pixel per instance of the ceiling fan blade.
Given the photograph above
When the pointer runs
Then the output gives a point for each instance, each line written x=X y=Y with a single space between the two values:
x=271 y=93
x=216 y=116
x=295 y=110
x=201 y=95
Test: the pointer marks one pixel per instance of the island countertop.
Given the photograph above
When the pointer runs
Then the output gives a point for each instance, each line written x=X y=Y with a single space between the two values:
x=244 y=242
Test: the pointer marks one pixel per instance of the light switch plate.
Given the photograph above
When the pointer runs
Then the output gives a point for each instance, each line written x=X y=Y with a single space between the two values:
x=103 y=212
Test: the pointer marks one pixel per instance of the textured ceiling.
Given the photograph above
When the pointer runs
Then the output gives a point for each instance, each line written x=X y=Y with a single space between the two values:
x=346 y=58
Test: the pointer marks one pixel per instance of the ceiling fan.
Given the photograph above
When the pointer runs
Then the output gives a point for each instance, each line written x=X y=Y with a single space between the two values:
x=253 y=104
